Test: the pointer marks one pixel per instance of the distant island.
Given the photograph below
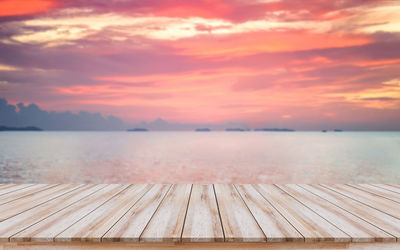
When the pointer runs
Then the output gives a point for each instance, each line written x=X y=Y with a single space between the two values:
x=138 y=130
x=275 y=129
x=29 y=128
x=235 y=129
x=203 y=130
x=338 y=130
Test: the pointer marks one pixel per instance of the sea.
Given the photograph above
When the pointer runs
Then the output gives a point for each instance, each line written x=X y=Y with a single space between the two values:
x=199 y=157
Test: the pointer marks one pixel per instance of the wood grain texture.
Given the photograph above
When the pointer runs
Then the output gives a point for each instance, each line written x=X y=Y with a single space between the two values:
x=166 y=225
x=385 y=205
x=238 y=223
x=312 y=226
x=191 y=215
x=378 y=191
x=8 y=188
x=93 y=226
x=32 y=200
x=273 y=224
x=359 y=230
x=196 y=246
x=50 y=227
x=131 y=225
x=202 y=222
x=377 y=218
x=24 y=192
x=388 y=187
x=26 y=219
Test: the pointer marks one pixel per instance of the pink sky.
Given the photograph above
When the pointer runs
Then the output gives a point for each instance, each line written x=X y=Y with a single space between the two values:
x=291 y=63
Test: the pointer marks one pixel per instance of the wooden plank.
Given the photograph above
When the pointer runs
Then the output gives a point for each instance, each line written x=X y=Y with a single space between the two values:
x=312 y=226
x=26 y=219
x=199 y=246
x=28 y=202
x=47 y=229
x=5 y=185
x=202 y=222
x=388 y=187
x=390 y=207
x=273 y=224
x=238 y=223
x=358 y=229
x=93 y=226
x=377 y=218
x=378 y=191
x=131 y=225
x=166 y=225
x=21 y=193
x=8 y=188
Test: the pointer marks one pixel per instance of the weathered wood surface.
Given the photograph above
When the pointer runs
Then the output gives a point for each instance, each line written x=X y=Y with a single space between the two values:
x=388 y=187
x=275 y=227
x=50 y=227
x=93 y=226
x=131 y=225
x=199 y=214
x=238 y=223
x=310 y=224
x=373 y=200
x=358 y=229
x=375 y=217
x=167 y=222
x=202 y=223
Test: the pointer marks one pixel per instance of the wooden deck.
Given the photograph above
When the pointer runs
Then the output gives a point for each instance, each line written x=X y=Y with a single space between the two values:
x=185 y=215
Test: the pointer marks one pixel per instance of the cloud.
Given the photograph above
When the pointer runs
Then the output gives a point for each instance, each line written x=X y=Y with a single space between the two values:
x=206 y=61
x=31 y=115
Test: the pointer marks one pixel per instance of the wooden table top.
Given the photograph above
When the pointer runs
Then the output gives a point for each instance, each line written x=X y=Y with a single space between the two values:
x=199 y=213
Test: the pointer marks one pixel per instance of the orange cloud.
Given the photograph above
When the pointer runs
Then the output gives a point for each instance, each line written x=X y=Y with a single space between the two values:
x=259 y=42
x=22 y=7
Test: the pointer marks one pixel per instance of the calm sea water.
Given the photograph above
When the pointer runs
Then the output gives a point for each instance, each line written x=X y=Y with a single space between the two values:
x=193 y=157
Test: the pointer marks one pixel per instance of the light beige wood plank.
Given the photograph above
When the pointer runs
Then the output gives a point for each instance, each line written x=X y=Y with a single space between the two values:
x=21 y=193
x=93 y=226
x=28 y=202
x=312 y=226
x=388 y=187
x=51 y=226
x=377 y=218
x=5 y=185
x=358 y=229
x=273 y=224
x=378 y=191
x=390 y=207
x=8 y=188
x=131 y=225
x=26 y=219
x=199 y=246
x=238 y=223
x=202 y=222
x=166 y=225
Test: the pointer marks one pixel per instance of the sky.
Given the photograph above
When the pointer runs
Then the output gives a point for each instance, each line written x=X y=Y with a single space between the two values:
x=277 y=63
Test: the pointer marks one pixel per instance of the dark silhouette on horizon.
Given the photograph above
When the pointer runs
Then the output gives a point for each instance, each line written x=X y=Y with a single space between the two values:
x=275 y=129
x=28 y=128
x=138 y=130
x=31 y=115
x=235 y=130
x=203 y=130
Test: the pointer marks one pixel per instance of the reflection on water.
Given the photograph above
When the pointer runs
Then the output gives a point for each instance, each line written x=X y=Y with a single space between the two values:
x=190 y=157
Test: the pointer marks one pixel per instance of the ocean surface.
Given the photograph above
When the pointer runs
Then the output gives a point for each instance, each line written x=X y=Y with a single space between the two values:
x=200 y=157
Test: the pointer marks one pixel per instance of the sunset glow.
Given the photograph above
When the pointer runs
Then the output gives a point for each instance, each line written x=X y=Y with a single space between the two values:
x=291 y=63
